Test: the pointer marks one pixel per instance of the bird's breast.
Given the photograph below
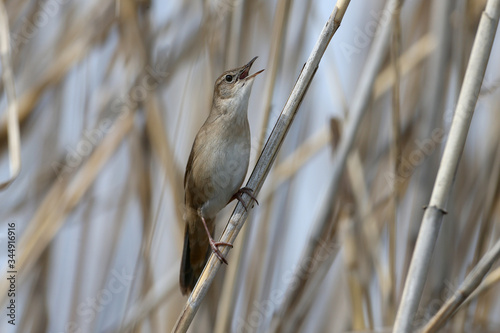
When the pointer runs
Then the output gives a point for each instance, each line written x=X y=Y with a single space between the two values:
x=230 y=154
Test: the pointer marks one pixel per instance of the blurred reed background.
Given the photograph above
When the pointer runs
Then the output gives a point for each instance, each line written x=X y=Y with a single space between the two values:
x=110 y=95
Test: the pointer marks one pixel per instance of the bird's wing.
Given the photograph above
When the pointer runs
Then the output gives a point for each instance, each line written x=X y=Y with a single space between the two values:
x=189 y=165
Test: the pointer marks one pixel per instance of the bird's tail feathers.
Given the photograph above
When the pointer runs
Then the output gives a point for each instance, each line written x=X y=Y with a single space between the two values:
x=194 y=256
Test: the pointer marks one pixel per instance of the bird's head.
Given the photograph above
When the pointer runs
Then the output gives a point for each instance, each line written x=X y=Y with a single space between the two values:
x=234 y=86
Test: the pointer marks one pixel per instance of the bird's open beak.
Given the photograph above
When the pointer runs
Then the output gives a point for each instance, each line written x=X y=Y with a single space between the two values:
x=246 y=70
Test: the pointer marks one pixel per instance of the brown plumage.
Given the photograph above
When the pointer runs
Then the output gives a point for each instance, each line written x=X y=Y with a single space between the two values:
x=215 y=170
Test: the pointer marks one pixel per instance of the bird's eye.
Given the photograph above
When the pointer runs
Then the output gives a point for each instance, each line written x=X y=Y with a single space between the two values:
x=229 y=78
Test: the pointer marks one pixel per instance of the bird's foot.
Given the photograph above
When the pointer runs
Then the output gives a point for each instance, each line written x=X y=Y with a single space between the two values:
x=244 y=190
x=215 y=248
x=213 y=244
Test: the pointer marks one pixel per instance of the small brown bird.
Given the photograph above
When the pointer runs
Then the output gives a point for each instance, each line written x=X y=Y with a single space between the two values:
x=215 y=170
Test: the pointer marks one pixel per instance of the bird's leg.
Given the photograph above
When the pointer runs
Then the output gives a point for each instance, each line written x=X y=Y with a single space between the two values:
x=213 y=244
x=246 y=190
